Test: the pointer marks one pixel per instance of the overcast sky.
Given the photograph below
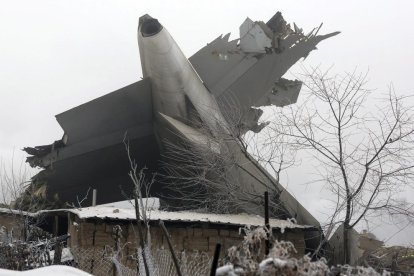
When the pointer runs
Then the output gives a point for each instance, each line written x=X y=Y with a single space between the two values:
x=55 y=55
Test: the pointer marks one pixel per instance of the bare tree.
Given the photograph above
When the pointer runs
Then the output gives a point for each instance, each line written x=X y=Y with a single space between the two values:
x=198 y=177
x=272 y=151
x=362 y=151
x=19 y=197
x=208 y=174
x=13 y=182
x=79 y=204
x=141 y=190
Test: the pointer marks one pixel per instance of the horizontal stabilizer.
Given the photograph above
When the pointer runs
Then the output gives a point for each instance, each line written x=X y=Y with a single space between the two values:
x=191 y=134
x=118 y=111
x=100 y=123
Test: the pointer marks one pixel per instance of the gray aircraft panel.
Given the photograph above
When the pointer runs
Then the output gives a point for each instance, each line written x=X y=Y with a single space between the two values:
x=248 y=74
x=260 y=78
x=284 y=92
x=116 y=111
x=96 y=143
x=100 y=123
x=216 y=59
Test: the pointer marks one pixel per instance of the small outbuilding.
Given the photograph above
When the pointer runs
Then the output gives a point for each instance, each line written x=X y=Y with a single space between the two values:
x=95 y=231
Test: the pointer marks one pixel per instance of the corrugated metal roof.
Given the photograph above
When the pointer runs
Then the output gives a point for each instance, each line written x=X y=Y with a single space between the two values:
x=149 y=202
x=104 y=212
x=124 y=210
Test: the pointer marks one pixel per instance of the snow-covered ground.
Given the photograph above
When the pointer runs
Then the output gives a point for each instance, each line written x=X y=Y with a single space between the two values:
x=52 y=270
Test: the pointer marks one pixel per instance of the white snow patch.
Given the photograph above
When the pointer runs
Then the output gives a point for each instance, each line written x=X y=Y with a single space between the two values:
x=52 y=270
x=66 y=255
x=236 y=219
x=152 y=203
x=225 y=270
x=124 y=210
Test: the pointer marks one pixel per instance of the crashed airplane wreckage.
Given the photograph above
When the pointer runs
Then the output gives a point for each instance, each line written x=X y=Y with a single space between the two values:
x=175 y=95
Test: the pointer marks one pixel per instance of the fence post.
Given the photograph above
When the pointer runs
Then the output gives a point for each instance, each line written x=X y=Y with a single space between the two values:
x=267 y=224
x=58 y=246
x=117 y=228
x=175 y=260
x=94 y=192
x=215 y=260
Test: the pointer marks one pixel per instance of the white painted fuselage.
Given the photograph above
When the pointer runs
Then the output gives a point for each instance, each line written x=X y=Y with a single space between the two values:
x=173 y=79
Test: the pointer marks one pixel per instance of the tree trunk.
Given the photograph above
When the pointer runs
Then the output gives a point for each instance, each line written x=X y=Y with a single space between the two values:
x=346 y=243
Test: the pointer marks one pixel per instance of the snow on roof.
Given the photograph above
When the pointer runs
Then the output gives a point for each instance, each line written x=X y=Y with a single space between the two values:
x=124 y=210
x=149 y=202
x=105 y=212
x=15 y=212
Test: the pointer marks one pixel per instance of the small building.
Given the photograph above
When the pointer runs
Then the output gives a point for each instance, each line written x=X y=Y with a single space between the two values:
x=96 y=227
x=92 y=230
x=93 y=226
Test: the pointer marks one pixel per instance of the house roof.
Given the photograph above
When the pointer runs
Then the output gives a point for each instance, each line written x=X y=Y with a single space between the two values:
x=124 y=210
x=105 y=212
x=15 y=212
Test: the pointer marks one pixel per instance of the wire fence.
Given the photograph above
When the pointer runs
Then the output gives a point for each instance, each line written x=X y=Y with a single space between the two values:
x=190 y=263
x=120 y=259
x=99 y=261
x=105 y=261
x=108 y=262
x=19 y=255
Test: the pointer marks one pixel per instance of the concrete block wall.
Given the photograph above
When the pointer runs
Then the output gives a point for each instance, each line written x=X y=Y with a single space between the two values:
x=189 y=238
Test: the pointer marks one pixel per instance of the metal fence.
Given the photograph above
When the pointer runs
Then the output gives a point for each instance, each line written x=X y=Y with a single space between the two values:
x=108 y=262
x=101 y=261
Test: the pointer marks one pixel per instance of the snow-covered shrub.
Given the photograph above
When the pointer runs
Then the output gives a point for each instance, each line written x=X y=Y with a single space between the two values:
x=249 y=259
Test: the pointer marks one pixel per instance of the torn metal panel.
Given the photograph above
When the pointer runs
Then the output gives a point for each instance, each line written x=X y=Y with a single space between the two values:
x=284 y=92
x=249 y=71
x=253 y=37
x=39 y=152
x=251 y=121
x=259 y=79
x=217 y=59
